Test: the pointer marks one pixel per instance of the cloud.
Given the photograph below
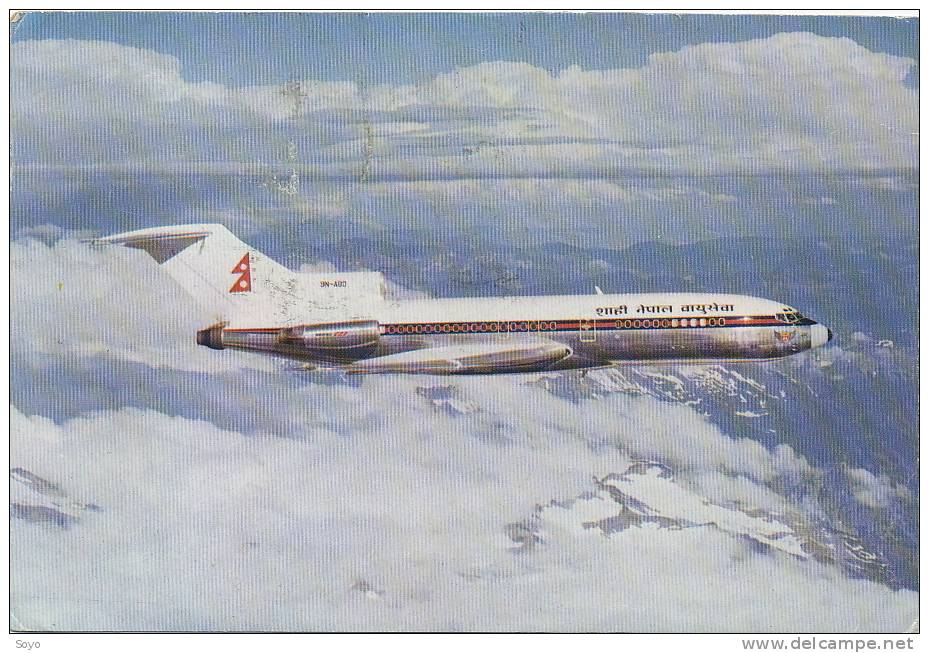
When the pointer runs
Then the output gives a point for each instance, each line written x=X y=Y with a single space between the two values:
x=80 y=302
x=77 y=301
x=227 y=497
x=204 y=528
x=877 y=491
x=276 y=497
x=605 y=158
x=793 y=101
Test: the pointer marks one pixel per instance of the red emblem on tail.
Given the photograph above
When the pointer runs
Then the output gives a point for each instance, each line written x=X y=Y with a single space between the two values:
x=244 y=270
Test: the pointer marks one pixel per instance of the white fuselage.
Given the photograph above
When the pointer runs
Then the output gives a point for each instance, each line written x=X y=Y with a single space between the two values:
x=508 y=334
x=344 y=320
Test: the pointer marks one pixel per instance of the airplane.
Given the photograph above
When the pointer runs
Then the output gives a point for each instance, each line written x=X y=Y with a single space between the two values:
x=346 y=321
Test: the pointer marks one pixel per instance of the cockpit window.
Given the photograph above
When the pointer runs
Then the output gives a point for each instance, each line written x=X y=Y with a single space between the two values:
x=788 y=317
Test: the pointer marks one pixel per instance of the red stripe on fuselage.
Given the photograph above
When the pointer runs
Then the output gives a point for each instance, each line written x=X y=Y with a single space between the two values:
x=542 y=326
x=614 y=324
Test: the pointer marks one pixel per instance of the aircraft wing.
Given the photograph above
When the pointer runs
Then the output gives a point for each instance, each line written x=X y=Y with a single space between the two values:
x=523 y=356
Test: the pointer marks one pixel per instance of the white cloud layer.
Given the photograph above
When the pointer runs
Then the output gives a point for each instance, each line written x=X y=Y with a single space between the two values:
x=793 y=101
x=371 y=506
x=203 y=528
x=877 y=491
x=73 y=300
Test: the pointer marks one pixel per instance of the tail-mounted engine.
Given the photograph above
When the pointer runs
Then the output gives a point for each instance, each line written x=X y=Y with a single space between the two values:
x=333 y=342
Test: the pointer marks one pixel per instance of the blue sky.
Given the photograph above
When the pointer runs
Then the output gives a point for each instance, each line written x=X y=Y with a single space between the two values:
x=241 y=49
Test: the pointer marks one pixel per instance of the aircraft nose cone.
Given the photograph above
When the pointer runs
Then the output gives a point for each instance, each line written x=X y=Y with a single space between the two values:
x=819 y=335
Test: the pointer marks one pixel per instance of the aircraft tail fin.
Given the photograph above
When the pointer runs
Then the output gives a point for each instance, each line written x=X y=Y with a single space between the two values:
x=239 y=284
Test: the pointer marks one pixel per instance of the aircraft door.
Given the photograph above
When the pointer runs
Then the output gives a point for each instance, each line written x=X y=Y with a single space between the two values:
x=588 y=331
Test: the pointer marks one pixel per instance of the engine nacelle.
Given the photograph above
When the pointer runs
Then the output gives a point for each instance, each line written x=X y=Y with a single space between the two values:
x=338 y=342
